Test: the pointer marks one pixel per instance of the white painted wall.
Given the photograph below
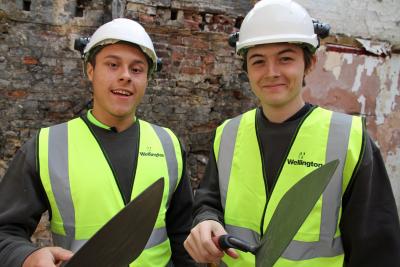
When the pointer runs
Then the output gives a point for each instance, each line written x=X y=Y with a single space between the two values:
x=376 y=19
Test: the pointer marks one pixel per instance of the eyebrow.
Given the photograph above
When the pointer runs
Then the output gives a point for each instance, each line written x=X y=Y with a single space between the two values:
x=287 y=50
x=135 y=61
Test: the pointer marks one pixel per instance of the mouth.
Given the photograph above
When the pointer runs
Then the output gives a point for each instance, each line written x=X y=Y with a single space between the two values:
x=121 y=92
x=272 y=86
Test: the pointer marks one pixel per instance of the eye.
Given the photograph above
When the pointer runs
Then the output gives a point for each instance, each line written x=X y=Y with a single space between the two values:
x=112 y=65
x=136 y=70
x=257 y=62
x=285 y=59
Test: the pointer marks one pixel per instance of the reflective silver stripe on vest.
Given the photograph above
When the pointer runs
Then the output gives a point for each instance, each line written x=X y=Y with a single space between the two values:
x=170 y=157
x=225 y=155
x=59 y=178
x=157 y=237
x=250 y=236
x=339 y=133
x=69 y=243
x=328 y=245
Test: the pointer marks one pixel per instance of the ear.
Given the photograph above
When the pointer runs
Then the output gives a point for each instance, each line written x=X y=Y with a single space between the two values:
x=89 y=71
x=312 y=65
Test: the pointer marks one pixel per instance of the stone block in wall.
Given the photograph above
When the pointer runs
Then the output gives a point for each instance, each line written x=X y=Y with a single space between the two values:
x=158 y=3
x=214 y=6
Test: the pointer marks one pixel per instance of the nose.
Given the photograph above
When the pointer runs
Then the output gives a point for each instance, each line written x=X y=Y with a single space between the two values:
x=125 y=75
x=272 y=69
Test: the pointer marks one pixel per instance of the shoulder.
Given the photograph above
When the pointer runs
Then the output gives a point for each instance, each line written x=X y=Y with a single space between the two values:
x=28 y=150
x=61 y=124
x=371 y=151
x=157 y=128
x=235 y=120
x=357 y=121
x=163 y=133
x=339 y=113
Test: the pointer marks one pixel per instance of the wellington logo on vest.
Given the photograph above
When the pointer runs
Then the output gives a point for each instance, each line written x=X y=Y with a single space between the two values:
x=301 y=161
x=149 y=153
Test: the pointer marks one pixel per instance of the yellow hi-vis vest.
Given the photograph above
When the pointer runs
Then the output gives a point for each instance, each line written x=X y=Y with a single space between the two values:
x=83 y=192
x=322 y=136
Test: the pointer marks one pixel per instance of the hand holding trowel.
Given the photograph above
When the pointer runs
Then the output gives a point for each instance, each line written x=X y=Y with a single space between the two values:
x=121 y=240
x=299 y=200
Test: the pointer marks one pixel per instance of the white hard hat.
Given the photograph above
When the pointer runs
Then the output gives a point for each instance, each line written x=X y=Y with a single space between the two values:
x=276 y=21
x=122 y=29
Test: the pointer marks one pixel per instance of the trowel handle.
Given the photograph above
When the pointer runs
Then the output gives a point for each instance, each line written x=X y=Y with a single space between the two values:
x=229 y=241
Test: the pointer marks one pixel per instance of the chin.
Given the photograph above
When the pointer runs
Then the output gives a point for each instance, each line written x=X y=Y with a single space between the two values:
x=275 y=102
x=121 y=114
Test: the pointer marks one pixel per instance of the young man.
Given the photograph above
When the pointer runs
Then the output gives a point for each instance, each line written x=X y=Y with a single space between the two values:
x=94 y=163
x=355 y=222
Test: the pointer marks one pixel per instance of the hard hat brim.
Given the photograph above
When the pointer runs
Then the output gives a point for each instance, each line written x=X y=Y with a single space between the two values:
x=281 y=38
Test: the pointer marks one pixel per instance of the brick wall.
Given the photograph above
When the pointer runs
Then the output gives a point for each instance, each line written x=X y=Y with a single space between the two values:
x=200 y=84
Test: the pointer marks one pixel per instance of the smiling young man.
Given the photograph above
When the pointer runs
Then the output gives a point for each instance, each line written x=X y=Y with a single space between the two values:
x=258 y=156
x=276 y=73
x=119 y=79
x=87 y=169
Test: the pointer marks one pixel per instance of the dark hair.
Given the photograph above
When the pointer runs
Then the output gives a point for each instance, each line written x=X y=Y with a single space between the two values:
x=308 y=56
x=92 y=55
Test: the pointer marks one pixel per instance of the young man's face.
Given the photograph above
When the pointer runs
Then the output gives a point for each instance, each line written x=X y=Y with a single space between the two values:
x=119 y=81
x=276 y=74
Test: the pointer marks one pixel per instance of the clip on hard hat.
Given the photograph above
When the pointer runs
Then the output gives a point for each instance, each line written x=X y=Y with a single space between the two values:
x=80 y=44
x=159 y=65
x=233 y=38
x=321 y=29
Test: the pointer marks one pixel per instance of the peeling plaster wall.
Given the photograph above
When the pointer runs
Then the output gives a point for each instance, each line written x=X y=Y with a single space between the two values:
x=377 y=19
x=363 y=84
x=366 y=85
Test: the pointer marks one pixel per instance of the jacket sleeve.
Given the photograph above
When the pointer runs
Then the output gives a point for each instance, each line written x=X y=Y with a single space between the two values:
x=207 y=205
x=22 y=203
x=370 y=222
x=179 y=219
